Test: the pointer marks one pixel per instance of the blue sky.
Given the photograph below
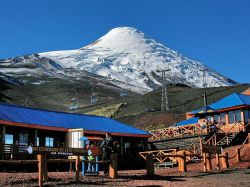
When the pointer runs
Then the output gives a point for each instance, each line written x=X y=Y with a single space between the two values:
x=216 y=33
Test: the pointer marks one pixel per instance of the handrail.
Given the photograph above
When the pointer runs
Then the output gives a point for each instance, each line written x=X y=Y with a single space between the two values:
x=194 y=129
x=243 y=144
x=170 y=132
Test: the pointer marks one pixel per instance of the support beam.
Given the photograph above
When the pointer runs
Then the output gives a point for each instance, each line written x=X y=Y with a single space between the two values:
x=224 y=161
x=3 y=140
x=238 y=158
x=35 y=138
x=150 y=164
x=77 y=169
x=182 y=162
x=217 y=161
x=3 y=134
x=113 y=166
x=122 y=145
x=45 y=169
x=204 y=162
x=40 y=169
x=209 y=163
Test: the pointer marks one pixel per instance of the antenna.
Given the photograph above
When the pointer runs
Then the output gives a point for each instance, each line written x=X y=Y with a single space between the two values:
x=164 y=94
x=74 y=102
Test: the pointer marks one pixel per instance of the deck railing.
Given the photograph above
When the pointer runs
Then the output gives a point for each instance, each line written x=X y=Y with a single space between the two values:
x=177 y=132
x=196 y=130
x=158 y=153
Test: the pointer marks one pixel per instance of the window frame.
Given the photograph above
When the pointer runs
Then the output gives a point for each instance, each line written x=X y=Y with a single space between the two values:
x=231 y=114
x=50 y=142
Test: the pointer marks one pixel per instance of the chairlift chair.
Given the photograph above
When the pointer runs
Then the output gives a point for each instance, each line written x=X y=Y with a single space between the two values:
x=94 y=97
x=74 y=102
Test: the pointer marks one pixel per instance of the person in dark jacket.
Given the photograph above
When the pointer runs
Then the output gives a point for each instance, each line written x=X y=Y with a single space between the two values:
x=107 y=148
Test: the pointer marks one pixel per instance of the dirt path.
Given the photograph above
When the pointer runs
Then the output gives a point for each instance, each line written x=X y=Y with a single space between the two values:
x=163 y=177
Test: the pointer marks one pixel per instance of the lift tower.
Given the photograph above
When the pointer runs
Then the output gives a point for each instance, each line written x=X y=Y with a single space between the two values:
x=164 y=94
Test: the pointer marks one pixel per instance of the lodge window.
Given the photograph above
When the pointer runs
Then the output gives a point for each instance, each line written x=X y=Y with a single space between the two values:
x=231 y=117
x=9 y=139
x=37 y=141
x=246 y=115
x=223 y=117
x=238 y=115
x=216 y=118
x=23 y=138
x=49 y=142
x=127 y=146
x=209 y=118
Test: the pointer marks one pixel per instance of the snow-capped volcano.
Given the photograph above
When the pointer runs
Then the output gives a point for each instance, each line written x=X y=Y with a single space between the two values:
x=127 y=57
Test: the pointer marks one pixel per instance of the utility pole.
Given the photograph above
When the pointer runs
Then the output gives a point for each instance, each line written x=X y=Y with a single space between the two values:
x=164 y=94
x=204 y=78
x=205 y=99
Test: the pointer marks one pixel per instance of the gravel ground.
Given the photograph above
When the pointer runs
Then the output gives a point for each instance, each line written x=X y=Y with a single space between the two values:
x=163 y=177
x=237 y=175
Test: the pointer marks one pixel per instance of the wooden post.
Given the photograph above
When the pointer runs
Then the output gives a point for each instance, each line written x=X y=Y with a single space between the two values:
x=184 y=169
x=40 y=169
x=113 y=166
x=122 y=146
x=227 y=160
x=35 y=138
x=205 y=162
x=150 y=164
x=238 y=159
x=45 y=169
x=224 y=161
x=70 y=167
x=200 y=140
x=217 y=159
x=182 y=165
x=77 y=168
x=209 y=163
x=3 y=134
x=3 y=140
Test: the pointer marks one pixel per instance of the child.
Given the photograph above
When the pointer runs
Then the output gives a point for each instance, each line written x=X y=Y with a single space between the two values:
x=91 y=165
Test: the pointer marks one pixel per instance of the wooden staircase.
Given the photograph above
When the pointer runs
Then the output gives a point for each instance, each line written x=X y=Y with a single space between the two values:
x=227 y=139
x=192 y=144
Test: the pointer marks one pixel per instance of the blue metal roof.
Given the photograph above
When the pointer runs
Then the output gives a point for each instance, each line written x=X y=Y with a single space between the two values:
x=226 y=102
x=64 y=120
x=231 y=101
x=187 y=122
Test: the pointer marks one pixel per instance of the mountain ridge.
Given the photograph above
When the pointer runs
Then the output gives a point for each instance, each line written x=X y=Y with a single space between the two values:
x=124 y=57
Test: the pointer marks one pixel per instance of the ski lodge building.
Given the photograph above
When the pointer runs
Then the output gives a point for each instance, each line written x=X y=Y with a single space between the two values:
x=224 y=122
x=21 y=127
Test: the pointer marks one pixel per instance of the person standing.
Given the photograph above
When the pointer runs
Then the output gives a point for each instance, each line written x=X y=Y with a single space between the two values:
x=91 y=159
x=107 y=148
